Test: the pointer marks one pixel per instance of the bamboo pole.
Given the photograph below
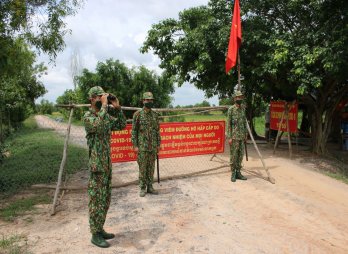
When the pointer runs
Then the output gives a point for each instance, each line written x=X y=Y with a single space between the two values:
x=270 y=178
x=288 y=130
x=154 y=109
x=62 y=164
x=238 y=71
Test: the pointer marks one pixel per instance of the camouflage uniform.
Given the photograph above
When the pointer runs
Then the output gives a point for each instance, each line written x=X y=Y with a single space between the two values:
x=146 y=136
x=98 y=127
x=237 y=131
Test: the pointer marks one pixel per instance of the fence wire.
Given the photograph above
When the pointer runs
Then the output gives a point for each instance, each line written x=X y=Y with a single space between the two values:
x=76 y=174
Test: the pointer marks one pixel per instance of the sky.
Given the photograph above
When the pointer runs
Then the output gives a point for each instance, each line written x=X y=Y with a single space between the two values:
x=104 y=29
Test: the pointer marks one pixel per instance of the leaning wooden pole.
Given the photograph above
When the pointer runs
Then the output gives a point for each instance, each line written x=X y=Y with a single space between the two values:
x=270 y=178
x=62 y=164
x=288 y=130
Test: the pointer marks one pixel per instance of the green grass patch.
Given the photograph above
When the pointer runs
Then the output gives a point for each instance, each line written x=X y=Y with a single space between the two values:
x=338 y=176
x=34 y=156
x=10 y=245
x=22 y=206
x=259 y=123
x=205 y=117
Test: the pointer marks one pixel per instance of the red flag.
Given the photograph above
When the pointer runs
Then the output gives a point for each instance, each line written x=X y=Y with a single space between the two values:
x=235 y=38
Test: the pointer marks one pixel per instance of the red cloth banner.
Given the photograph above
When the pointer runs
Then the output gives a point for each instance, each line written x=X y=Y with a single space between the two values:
x=276 y=111
x=235 y=38
x=178 y=140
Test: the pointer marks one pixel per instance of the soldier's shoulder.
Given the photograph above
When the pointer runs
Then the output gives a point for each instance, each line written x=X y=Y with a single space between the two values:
x=232 y=108
x=136 y=113
x=87 y=114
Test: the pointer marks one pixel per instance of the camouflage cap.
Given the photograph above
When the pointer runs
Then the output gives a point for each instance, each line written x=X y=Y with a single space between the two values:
x=148 y=96
x=238 y=94
x=95 y=90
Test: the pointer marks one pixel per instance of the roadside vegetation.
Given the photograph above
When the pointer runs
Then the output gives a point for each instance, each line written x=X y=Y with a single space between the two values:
x=13 y=244
x=33 y=156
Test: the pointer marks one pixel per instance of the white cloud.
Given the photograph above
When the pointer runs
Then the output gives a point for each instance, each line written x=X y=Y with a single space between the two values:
x=115 y=29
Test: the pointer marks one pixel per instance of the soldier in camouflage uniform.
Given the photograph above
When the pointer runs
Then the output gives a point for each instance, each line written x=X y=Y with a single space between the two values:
x=237 y=134
x=99 y=122
x=146 y=141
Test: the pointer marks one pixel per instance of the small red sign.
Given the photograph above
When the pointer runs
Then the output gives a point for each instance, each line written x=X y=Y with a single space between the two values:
x=276 y=110
x=177 y=140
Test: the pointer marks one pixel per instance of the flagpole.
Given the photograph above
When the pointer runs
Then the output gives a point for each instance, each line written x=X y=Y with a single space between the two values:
x=238 y=71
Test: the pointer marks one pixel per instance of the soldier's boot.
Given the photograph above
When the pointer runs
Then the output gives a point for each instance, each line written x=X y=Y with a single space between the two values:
x=142 y=192
x=151 y=190
x=234 y=175
x=240 y=176
x=99 y=241
x=106 y=235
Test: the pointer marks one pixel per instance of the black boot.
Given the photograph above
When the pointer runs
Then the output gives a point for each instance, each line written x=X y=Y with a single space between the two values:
x=106 y=235
x=240 y=176
x=99 y=241
x=234 y=175
x=142 y=192
x=151 y=190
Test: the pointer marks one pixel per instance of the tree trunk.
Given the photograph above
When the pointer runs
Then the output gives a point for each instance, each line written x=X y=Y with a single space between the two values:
x=321 y=128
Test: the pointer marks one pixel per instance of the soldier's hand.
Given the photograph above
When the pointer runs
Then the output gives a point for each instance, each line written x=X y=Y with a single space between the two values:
x=230 y=141
x=104 y=99
x=136 y=149
x=116 y=103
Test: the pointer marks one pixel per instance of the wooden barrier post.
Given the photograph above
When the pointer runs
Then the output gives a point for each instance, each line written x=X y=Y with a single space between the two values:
x=62 y=164
x=270 y=178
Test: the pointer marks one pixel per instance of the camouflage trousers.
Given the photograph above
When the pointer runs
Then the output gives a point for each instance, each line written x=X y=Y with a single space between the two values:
x=99 y=193
x=146 y=161
x=236 y=154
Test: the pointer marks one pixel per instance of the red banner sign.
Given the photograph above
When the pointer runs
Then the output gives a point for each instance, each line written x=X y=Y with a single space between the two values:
x=178 y=140
x=276 y=109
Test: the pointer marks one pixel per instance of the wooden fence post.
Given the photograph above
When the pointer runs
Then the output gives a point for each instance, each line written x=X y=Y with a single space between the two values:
x=62 y=164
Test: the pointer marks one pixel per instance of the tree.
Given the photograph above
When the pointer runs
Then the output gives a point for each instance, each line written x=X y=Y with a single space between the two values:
x=127 y=84
x=45 y=107
x=290 y=50
x=26 y=25
x=19 y=84
x=39 y=22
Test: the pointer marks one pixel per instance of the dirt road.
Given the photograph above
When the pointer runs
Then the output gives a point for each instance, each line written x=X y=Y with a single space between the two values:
x=77 y=133
x=304 y=212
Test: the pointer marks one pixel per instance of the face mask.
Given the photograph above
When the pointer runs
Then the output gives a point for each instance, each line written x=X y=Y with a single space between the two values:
x=239 y=102
x=148 y=104
x=98 y=104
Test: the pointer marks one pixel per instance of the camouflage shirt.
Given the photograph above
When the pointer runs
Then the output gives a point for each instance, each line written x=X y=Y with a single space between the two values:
x=98 y=127
x=145 y=130
x=236 y=125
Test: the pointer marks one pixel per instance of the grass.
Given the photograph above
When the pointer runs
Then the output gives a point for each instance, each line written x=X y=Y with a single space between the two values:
x=34 y=156
x=10 y=245
x=205 y=117
x=22 y=206
x=338 y=176
x=259 y=122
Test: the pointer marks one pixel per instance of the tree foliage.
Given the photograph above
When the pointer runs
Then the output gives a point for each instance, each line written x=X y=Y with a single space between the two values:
x=39 y=22
x=128 y=84
x=290 y=50
x=26 y=25
x=45 y=107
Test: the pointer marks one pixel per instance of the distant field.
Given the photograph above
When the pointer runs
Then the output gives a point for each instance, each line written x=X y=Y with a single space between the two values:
x=259 y=122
